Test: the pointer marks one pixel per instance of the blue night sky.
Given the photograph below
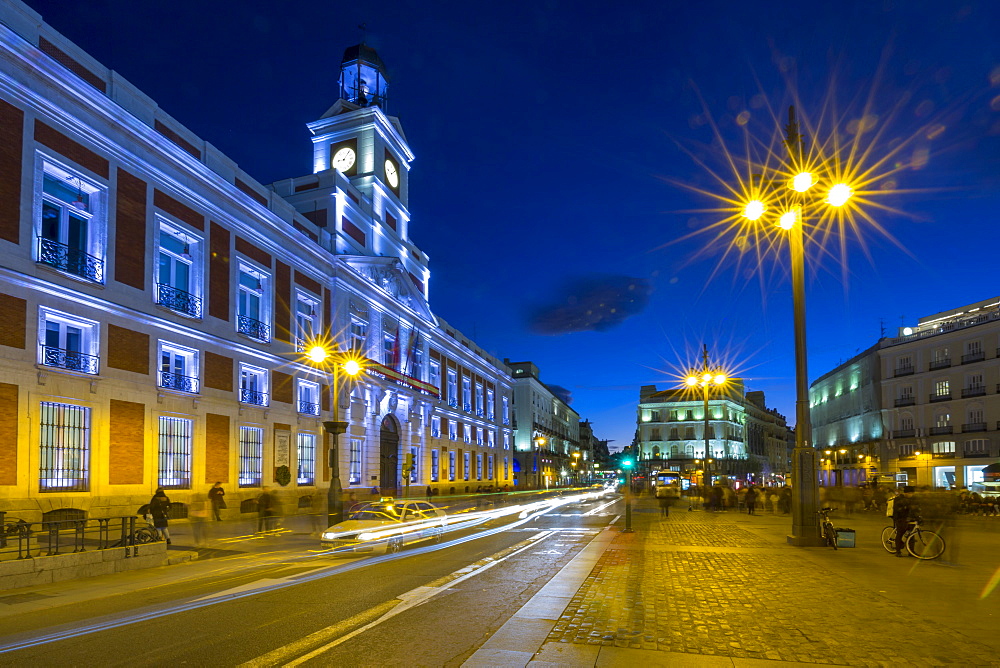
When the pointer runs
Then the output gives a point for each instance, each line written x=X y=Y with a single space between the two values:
x=548 y=139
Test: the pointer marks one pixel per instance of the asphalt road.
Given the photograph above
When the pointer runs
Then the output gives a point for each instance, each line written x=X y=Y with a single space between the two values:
x=429 y=605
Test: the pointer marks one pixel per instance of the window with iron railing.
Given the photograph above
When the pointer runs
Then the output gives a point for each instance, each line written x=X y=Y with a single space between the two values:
x=305 y=456
x=178 y=273
x=252 y=319
x=71 y=223
x=308 y=397
x=68 y=342
x=178 y=368
x=354 y=469
x=253 y=385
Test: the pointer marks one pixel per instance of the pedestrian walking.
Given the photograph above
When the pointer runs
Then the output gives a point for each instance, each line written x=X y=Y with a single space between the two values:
x=215 y=497
x=198 y=511
x=159 y=508
x=750 y=499
x=265 y=510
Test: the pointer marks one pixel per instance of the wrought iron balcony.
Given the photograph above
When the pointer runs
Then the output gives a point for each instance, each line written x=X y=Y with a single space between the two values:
x=308 y=407
x=973 y=357
x=178 y=300
x=940 y=397
x=175 y=381
x=506 y=421
x=973 y=426
x=904 y=371
x=70 y=360
x=905 y=401
x=479 y=412
x=975 y=453
x=940 y=364
x=453 y=403
x=300 y=345
x=943 y=429
x=435 y=433
x=71 y=260
x=255 y=329
x=904 y=433
x=467 y=408
x=491 y=416
x=977 y=391
x=253 y=397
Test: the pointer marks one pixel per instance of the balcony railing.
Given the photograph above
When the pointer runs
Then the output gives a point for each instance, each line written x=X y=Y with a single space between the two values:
x=70 y=360
x=975 y=453
x=175 y=381
x=308 y=407
x=71 y=260
x=940 y=364
x=467 y=408
x=904 y=433
x=178 y=300
x=969 y=358
x=976 y=391
x=969 y=427
x=943 y=429
x=904 y=371
x=453 y=403
x=905 y=401
x=940 y=397
x=253 y=397
x=479 y=412
x=506 y=421
x=255 y=329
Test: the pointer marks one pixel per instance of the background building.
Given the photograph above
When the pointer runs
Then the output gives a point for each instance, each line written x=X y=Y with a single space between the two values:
x=745 y=439
x=547 y=431
x=933 y=385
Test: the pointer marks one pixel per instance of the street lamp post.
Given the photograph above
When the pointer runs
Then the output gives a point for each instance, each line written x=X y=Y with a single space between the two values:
x=705 y=378
x=805 y=497
x=539 y=442
x=320 y=355
x=627 y=464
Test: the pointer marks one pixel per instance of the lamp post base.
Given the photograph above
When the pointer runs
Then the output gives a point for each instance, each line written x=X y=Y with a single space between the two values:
x=805 y=500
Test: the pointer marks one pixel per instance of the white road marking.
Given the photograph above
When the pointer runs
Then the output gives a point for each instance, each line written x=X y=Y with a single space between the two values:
x=410 y=599
x=598 y=508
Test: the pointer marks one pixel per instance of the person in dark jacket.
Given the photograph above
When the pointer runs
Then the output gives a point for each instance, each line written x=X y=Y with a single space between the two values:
x=159 y=508
x=215 y=498
x=265 y=509
x=750 y=499
x=903 y=510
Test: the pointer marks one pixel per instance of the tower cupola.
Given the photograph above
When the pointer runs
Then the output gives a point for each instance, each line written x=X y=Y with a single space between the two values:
x=363 y=79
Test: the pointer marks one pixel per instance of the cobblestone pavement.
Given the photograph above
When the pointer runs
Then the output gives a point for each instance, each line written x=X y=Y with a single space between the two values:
x=697 y=583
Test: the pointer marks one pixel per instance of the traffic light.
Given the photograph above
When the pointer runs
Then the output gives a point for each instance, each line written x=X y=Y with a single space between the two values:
x=408 y=463
x=626 y=463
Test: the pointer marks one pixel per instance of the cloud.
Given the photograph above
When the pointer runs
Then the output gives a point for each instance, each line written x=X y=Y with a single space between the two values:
x=562 y=393
x=597 y=302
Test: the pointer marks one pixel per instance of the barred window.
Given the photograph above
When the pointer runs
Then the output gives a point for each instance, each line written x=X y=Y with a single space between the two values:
x=355 y=466
x=64 y=448
x=305 y=454
x=489 y=467
x=451 y=465
x=506 y=469
x=467 y=463
x=251 y=456
x=479 y=467
x=435 y=463
x=175 y=452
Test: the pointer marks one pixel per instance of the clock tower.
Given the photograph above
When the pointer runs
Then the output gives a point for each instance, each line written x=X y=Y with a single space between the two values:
x=358 y=138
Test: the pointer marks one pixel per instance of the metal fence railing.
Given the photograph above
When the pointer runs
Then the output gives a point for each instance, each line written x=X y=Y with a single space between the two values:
x=24 y=540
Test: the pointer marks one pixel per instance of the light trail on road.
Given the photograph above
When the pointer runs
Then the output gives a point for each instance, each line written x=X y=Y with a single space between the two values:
x=525 y=516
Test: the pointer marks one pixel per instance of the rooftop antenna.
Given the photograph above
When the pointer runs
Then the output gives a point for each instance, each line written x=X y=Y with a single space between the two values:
x=363 y=27
x=881 y=326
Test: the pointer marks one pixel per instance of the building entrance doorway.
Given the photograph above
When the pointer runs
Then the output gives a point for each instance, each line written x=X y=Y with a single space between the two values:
x=389 y=456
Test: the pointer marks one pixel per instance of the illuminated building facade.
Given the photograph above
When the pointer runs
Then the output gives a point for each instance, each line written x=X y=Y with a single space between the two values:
x=547 y=431
x=156 y=301
x=917 y=404
x=745 y=439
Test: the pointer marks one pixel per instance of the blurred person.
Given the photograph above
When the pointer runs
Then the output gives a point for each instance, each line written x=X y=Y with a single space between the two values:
x=159 y=508
x=665 y=499
x=265 y=510
x=215 y=498
x=198 y=510
x=750 y=499
x=903 y=510
x=785 y=499
x=852 y=497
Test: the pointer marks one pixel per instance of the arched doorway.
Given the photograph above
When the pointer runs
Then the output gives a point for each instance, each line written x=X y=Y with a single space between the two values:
x=388 y=455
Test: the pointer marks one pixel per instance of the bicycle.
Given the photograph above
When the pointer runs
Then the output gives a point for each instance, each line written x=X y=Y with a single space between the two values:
x=826 y=527
x=921 y=543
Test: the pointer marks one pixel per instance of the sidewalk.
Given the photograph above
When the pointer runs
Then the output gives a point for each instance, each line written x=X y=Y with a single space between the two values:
x=725 y=589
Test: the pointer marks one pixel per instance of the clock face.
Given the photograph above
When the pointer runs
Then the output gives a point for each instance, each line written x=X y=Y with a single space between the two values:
x=391 y=175
x=344 y=159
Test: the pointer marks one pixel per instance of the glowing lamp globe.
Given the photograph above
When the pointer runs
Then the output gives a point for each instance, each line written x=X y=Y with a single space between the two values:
x=317 y=354
x=753 y=210
x=839 y=194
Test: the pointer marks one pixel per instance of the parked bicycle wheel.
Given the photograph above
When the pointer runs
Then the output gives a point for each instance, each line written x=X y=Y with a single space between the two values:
x=831 y=536
x=924 y=544
x=889 y=539
x=146 y=535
